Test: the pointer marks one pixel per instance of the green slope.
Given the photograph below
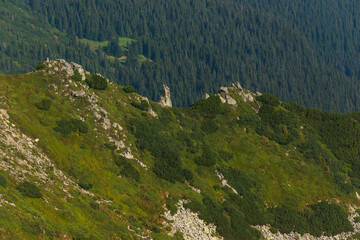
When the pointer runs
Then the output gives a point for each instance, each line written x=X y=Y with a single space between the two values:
x=281 y=161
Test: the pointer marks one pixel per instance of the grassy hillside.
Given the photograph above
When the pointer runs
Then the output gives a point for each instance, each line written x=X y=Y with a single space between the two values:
x=100 y=166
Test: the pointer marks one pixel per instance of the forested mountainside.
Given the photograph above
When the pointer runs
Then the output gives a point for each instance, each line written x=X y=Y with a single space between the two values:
x=85 y=158
x=302 y=51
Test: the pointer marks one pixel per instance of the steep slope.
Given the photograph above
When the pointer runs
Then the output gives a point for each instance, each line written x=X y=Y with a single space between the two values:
x=94 y=160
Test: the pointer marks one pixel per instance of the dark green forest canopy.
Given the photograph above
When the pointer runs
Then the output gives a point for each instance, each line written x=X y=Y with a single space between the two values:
x=302 y=51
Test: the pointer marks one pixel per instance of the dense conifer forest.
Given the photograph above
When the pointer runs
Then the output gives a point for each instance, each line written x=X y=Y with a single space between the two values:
x=302 y=51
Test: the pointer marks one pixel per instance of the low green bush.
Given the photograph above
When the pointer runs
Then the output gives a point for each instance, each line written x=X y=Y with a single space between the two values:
x=227 y=156
x=126 y=169
x=320 y=218
x=77 y=76
x=3 y=181
x=293 y=107
x=85 y=185
x=128 y=89
x=208 y=157
x=40 y=66
x=188 y=174
x=29 y=190
x=142 y=105
x=44 y=104
x=97 y=82
x=152 y=135
x=110 y=146
x=209 y=126
x=68 y=126
x=211 y=107
x=269 y=99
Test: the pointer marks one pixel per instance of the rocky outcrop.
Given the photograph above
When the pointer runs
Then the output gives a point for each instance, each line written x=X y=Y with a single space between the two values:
x=153 y=113
x=165 y=99
x=80 y=69
x=68 y=68
x=127 y=153
x=226 y=94
x=119 y=144
x=190 y=225
x=205 y=96
x=80 y=93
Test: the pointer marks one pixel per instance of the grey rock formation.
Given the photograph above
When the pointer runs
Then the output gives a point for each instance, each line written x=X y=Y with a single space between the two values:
x=205 y=96
x=230 y=100
x=237 y=85
x=118 y=144
x=68 y=68
x=80 y=69
x=127 y=153
x=165 y=99
x=153 y=113
x=80 y=93
x=225 y=97
x=224 y=90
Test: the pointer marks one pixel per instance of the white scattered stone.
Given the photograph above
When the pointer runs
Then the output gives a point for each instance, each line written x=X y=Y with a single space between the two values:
x=153 y=113
x=192 y=187
x=118 y=144
x=127 y=153
x=224 y=181
x=106 y=124
x=80 y=93
x=190 y=225
x=116 y=125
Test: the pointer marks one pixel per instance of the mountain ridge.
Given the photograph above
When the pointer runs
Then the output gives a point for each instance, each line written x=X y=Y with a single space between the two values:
x=102 y=162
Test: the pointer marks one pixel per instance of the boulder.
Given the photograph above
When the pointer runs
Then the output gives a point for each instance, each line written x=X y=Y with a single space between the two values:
x=230 y=100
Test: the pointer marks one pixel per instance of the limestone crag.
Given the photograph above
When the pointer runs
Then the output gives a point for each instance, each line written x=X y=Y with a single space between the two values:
x=265 y=230
x=80 y=69
x=68 y=68
x=190 y=225
x=227 y=95
x=165 y=99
